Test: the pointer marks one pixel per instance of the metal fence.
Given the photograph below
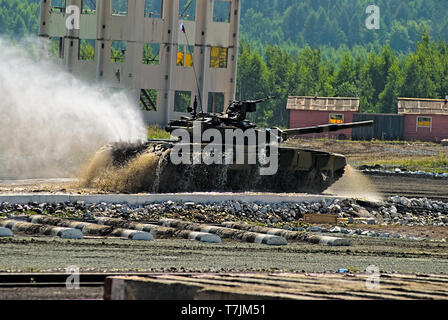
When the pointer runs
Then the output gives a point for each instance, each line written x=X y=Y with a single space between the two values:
x=387 y=127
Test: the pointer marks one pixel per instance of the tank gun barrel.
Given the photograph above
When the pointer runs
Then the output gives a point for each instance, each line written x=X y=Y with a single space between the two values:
x=254 y=101
x=286 y=134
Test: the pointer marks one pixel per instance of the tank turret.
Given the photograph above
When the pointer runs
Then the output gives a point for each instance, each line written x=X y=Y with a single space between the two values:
x=235 y=116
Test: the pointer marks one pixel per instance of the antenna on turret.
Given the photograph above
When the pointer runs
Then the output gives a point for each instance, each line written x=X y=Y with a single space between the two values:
x=182 y=28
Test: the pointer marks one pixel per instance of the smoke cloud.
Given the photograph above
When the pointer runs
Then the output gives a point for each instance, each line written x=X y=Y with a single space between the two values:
x=52 y=123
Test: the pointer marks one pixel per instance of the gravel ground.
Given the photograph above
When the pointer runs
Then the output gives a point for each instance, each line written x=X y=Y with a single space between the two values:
x=42 y=254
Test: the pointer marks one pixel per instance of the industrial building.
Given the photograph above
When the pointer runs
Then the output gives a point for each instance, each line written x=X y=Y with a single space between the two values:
x=164 y=54
x=417 y=119
x=424 y=119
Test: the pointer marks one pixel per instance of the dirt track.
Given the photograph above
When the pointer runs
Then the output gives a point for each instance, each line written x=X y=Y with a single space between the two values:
x=386 y=185
x=357 y=151
x=411 y=187
x=46 y=254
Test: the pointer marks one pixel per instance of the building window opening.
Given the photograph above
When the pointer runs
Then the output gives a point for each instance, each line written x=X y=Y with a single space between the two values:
x=221 y=11
x=56 y=47
x=58 y=5
x=120 y=7
x=424 y=122
x=185 y=56
x=336 y=118
x=218 y=57
x=182 y=101
x=151 y=53
x=88 y=6
x=148 y=99
x=215 y=102
x=153 y=9
x=187 y=10
x=86 y=50
x=118 y=51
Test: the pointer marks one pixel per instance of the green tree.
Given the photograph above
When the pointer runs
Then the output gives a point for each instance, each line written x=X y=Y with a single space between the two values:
x=388 y=99
x=423 y=71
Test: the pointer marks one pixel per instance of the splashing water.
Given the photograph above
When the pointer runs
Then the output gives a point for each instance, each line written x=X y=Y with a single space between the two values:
x=50 y=122
x=354 y=184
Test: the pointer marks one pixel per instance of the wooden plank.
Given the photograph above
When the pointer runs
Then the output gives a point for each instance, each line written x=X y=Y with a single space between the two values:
x=273 y=286
x=320 y=218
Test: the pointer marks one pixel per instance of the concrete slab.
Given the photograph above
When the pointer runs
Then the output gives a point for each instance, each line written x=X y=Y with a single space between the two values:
x=142 y=199
x=275 y=286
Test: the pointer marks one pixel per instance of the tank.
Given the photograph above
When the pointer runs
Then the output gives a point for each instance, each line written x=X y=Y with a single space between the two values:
x=225 y=152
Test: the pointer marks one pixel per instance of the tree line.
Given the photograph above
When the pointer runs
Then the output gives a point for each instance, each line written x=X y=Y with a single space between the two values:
x=378 y=78
x=19 y=18
x=330 y=23
x=320 y=47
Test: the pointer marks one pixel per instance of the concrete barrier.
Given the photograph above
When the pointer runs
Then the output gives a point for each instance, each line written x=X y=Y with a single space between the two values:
x=291 y=235
x=135 y=235
x=211 y=197
x=223 y=232
x=93 y=229
x=5 y=232
x=329 y=241
x=34 y=228
x=160 y=231
x=66 y=233
x=204 y=237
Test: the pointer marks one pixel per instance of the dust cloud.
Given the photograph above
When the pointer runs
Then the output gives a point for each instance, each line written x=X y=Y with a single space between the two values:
x=354 y=184
x=52 y=123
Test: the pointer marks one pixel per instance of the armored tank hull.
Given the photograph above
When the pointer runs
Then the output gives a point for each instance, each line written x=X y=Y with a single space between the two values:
x=148 y=167
x=253 y=159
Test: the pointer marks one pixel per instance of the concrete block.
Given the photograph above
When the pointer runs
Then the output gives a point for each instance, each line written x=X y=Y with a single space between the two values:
x=5 y=232
x=67 y=233
x=137 y=235
x=270 y=240
x=34 y=228
x=204 y=237
x=330 y=241
x=135 y=288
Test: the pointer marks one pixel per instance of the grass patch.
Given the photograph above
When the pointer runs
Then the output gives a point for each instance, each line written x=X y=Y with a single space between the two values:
x=155 y=132
x=374 y=141
x=431 y=164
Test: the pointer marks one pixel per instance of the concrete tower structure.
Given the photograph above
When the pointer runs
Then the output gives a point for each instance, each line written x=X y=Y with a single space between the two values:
x=164 y=53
